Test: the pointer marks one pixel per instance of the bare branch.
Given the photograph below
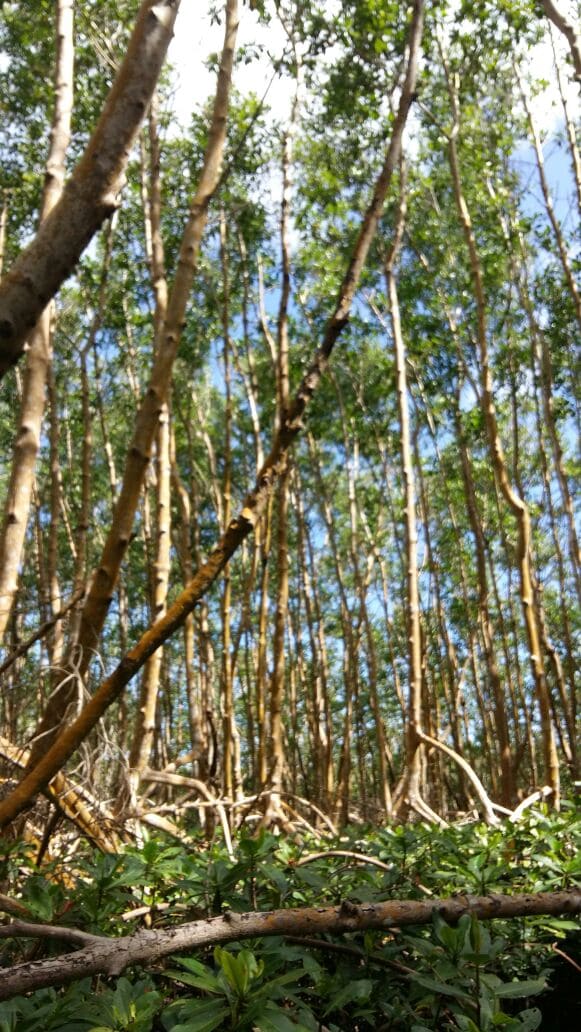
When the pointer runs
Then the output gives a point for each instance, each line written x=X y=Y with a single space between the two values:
x=147 y=946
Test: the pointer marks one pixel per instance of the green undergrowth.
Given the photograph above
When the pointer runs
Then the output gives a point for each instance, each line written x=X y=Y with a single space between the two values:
x=475 y=976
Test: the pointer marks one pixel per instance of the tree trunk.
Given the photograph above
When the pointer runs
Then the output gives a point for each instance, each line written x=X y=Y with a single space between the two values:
x=516 y=504
x=26 y=445
x=92 y=192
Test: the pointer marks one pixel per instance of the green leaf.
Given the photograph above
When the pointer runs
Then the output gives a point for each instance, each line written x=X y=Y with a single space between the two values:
x=530 y=1019
x=273 y=1019
x=359 y=990
x=39 y=898
x=559 y=924
x=310 y=878
x=514 y=990
x=438 y=987
x=465 y=1023
x=207 y=983
x=202 y=1016
x=240 y=971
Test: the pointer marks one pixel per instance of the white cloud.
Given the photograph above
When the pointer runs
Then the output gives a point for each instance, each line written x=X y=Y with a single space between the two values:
x=196 y=38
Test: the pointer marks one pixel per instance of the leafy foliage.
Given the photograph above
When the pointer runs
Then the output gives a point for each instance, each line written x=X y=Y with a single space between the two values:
x=473 y=977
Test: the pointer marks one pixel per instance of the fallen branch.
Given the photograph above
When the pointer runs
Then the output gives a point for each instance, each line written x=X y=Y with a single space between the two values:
x=359 y=858
x=535 y=797
x=148 y=946
x=89 y=816
x=163 y=778
x=487 y=806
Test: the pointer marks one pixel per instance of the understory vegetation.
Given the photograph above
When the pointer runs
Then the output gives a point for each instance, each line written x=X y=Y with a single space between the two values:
x=474 y=976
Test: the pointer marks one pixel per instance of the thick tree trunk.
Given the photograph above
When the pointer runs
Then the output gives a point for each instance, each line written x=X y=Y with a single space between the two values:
x=556 y=15
x=92 y=192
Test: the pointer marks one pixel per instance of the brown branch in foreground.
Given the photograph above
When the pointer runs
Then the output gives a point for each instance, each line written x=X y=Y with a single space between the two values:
x=147 y=947
x=255 y=503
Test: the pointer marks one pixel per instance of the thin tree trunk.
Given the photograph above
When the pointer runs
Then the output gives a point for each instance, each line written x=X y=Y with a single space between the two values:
x=227 y=688
x=103 y=584
x=277 y=687
x=184 y=551
x=3 y=228
x=139 y=756
x=413 y=787
x=486 y=625
x=543 y=362
x=27 y=442
x=549 y=207
x=516 y=504
x=362 y=585
x=56 y=638
x=570 y=128
x=322 y=701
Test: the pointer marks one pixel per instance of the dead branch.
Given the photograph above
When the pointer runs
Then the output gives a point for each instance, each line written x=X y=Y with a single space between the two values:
x=148 y=946
x=487 y=807
x=29 y=930
x=535 y=797
x=359 y=858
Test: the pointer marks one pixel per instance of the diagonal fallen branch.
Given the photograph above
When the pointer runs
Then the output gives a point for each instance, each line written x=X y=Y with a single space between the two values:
x=146 y=947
